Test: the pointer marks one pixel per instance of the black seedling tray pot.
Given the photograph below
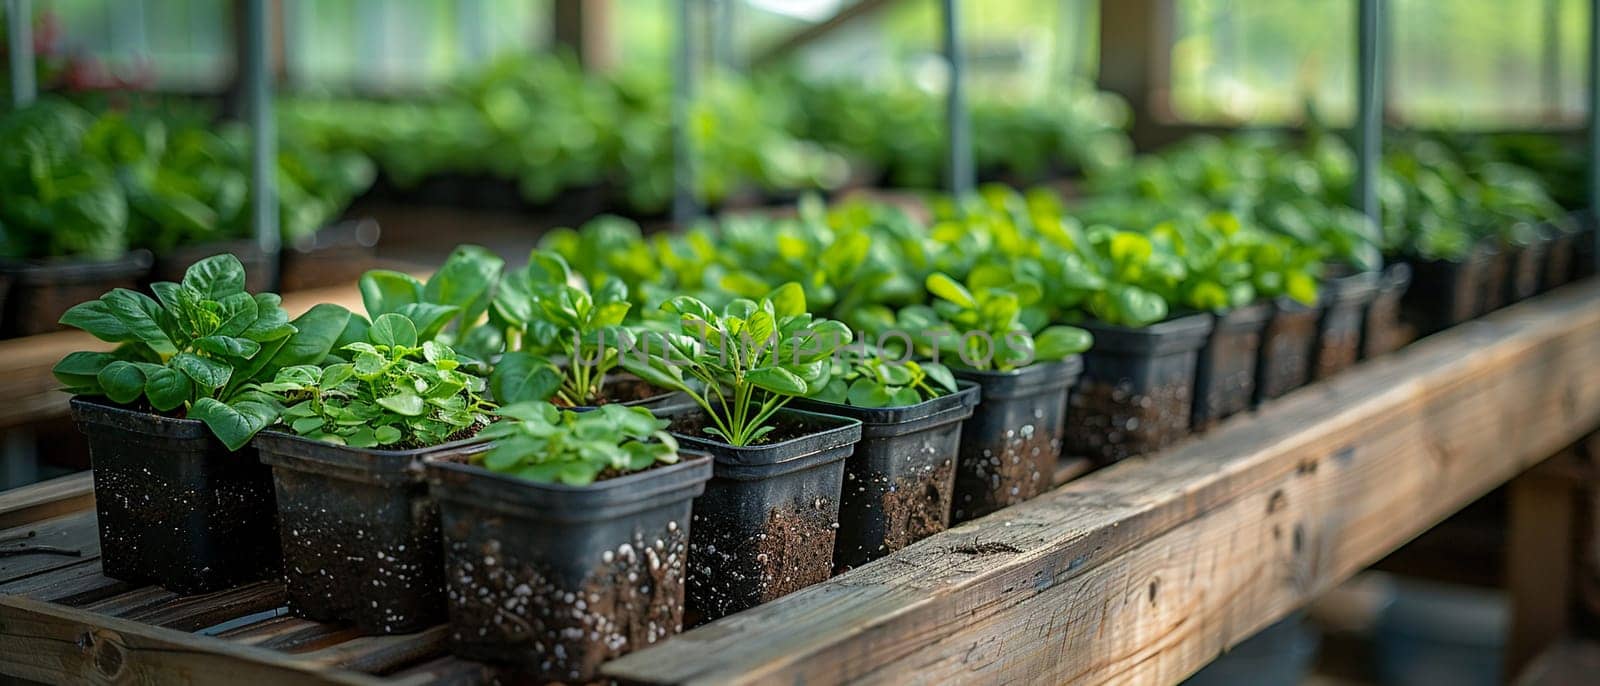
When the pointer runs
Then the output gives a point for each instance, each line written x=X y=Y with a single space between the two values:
x=1225 y=374
x=1010 y=445
x=1383 y=332
x=1444 y=293
x=1136 y=395
x=554 y=580
x=1526 y=263
x=1284 y=362
x=175 y=507
x=171 y=265
x=1560 y=253
x=42 y=290
x=360 y=535
x=899 y=483
x=1344 y=307
x=766 y=525
x=1496 y=272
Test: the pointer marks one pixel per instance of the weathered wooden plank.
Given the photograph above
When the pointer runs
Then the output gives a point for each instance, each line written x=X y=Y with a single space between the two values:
x=1568 y=663
x=446 y=671
x=379 y=653
x=1539 y=564
x=46 y=499
x=195 y=612
x=1145 y=571
x=75 y=585
x=74 y=533
x=56 y=644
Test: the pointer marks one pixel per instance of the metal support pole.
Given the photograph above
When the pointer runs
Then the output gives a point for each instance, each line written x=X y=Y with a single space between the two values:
x=263 y=134
x=1594 y=124
x=958 y=160
x=684 y=207
x=1550 y=67
x=19 y=25
x=724 y=20
x=1369 y=109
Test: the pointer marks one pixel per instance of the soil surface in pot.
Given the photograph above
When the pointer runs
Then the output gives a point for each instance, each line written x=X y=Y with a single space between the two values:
x=695 y=423
x=628 y=390
x=563 y=629
x=1111 y=421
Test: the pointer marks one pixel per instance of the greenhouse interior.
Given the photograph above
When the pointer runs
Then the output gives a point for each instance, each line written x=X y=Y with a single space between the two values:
x=800 y=341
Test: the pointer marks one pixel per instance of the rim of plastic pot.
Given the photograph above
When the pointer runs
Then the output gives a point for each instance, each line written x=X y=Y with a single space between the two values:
x=1248 y=317
x=76 y=270
x=1035 y=379
x=103 y=412
x=1179 y=334
x=281 y=449
x=833 y=443
x=887 y=422
x=480 y=488
x=1396 y=276
x=1354 y=288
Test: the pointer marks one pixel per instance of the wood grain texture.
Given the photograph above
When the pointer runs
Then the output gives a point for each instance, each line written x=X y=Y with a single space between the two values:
x=1145 y=571
x=57 y=644
x=46 y=499
x=33 y=394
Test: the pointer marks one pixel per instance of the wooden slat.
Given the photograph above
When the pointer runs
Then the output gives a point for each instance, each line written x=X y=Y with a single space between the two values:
x=75 y=585
x=195 y=612
x=46 y=499
x=25 y=363
x=1145 y=571
x=56 y=644
x=71 y=532
x=379 y=653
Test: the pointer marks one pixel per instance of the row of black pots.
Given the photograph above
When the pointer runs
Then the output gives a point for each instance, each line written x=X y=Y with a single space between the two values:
x=1446 y=293
x=34 y=294
x=1144 y=389
x=393 y=541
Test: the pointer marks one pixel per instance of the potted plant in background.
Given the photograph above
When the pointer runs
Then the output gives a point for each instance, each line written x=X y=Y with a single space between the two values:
x=65 y=217
x=566 y=544
x=899 y=483
x=1010 y=445
x=360 y=537
x=180 y=500
x=766 y=524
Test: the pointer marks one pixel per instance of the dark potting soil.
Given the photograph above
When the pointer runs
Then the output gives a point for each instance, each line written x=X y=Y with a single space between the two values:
x=917 y=506
x=559 y=630
x=1017 y=467
x=1111 y=422
x=793 y=550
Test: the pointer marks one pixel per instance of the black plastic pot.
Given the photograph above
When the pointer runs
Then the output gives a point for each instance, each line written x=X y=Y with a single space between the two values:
x=1225 y=374
x=360 y=536
x=41 y=291
x=899 y=483
x=175 y=507
x=766 y=525
x=555 y=579
x=1010 y=445
x=1559 y=255
x=171 y=265
x=1443 y=293
x=1496 y=272
x=1136 y=395
x=1524 y=262
x=1284 y=362
x=1383 y=332
x=1583 y=257
x=1344 y=306
x=334 y=256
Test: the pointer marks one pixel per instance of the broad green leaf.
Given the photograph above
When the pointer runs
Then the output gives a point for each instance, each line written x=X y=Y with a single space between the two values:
x=521 y=377
x=408 y=404
x=788 y=300
x=384 y=291
x=316 y=331
x=1060 y=342
x=140 y=314
x=123 y=382
x=228 y=346
x=393 y=330
x=207 y=373
x=96 y=317
x=216 y=277
x=80 y=369
x=167 y=388
x=271 y=321
x=233 y=424
x=945 y=287
x=777 y=380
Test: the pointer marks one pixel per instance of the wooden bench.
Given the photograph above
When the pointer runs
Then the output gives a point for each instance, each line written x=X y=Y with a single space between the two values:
x=1142 y=572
